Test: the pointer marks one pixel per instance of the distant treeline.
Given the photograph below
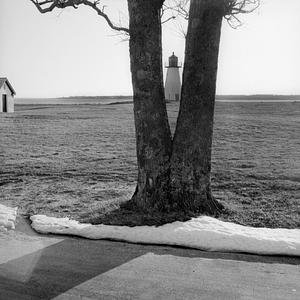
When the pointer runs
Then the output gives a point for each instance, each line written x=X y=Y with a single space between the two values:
x=97 y=97
x=258 y=97
x=218 y=97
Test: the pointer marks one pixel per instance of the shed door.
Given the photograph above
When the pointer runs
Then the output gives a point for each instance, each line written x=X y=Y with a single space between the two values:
x=4 y=103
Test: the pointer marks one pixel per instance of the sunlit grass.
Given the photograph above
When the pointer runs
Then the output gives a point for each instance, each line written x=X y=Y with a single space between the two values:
x=79 y=161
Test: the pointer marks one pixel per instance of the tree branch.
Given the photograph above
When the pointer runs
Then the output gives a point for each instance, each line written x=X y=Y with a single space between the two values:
x=179 y=8
x=46 y=9
x=104 y=15
x=168 y=19
x=234 y=7
x=48 y=5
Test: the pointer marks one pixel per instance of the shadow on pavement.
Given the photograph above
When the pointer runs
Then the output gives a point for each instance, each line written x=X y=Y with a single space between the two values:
x=51 y=271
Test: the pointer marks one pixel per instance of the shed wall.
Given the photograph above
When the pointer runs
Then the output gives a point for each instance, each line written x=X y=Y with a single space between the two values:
x=4 y=90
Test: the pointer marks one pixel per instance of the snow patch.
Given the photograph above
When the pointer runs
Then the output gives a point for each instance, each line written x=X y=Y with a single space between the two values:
x=8 y=217
x=204 y=233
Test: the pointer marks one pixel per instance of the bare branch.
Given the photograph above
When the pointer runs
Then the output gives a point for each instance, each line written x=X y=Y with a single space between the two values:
x=48 y=5
x=46 y=9
x=45 y=2
x=235 y=7
x=179 y=9
x=105 y=16
x=167 y=20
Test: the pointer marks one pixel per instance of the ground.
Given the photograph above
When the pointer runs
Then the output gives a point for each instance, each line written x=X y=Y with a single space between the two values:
x=79 y=160
x=34 y=266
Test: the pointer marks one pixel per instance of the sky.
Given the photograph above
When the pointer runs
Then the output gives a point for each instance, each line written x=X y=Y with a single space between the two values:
x=73 y=52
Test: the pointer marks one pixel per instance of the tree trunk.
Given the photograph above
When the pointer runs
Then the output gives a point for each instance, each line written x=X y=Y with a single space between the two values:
x=153 y=136
x=191 y=157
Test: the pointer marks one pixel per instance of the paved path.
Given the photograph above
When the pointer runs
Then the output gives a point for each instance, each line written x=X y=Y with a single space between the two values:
x=54 y=267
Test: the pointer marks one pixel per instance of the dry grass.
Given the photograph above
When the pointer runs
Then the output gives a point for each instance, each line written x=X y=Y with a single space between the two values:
x=79 y=161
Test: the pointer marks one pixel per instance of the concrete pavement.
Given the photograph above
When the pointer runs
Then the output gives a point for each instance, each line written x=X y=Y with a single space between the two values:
x=34 y=266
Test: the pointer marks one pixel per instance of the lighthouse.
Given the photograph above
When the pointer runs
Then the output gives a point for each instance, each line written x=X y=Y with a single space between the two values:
x=173 y=85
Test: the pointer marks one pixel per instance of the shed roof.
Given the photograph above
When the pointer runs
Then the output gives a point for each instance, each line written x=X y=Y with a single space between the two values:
x=5 y=80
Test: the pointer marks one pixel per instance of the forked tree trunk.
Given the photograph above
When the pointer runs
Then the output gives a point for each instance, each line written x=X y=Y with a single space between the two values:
x=153 y=136
x=191 y=157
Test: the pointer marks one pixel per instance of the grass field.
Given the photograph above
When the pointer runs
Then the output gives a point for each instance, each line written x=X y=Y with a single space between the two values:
x=75 y=160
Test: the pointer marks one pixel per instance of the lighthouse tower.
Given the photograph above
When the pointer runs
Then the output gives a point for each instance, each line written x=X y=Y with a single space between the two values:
x=173 y=85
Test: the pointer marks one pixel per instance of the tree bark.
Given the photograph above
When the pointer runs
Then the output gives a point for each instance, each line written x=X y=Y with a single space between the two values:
x=153 y=136
x=191 y=157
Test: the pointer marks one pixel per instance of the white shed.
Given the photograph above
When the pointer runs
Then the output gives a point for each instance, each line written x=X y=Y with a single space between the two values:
x=6 y=96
